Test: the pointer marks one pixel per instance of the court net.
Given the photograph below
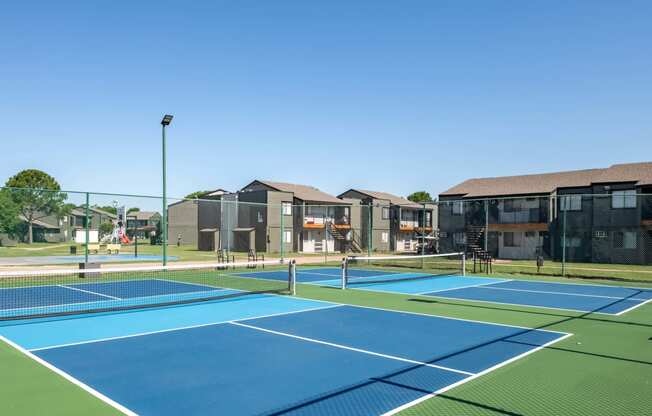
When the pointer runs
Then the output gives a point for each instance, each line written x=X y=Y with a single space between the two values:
x=388 y=269
x=51 y=292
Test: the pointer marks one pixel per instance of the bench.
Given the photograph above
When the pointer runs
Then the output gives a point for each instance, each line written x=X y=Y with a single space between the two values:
x=113 y=248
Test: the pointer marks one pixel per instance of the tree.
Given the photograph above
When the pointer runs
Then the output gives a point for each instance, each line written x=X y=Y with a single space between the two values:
x=37 y=195
x=107 y=208
x=196 y=195
x=106 y=228
x=134 y=209
x=420 y=196
x=9 y=222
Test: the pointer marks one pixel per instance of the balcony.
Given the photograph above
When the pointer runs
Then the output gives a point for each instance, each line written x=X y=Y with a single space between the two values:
x=526 y=216
x=320 y=221
x=408 y=225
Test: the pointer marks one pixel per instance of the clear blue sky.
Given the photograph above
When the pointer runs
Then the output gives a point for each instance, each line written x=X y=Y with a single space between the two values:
x=393 y=96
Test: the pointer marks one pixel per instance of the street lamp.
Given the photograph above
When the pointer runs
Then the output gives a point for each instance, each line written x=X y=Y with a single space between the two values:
x=167 y=119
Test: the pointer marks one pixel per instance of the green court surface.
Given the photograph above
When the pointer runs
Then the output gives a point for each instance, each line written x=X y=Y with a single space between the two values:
x=605 y=368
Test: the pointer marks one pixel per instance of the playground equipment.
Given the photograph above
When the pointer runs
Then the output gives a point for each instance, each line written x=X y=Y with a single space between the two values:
x=119 y=233
x=117 y=236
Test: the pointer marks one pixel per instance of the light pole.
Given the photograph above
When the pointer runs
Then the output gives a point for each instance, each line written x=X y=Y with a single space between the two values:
x=167 y=119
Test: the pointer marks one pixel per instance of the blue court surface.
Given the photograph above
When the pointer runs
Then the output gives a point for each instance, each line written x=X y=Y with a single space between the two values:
x=268 y=354
x=35 y=300
x=611 y=300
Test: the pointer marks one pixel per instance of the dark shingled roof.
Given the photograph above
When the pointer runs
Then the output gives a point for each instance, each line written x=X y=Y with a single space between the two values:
x=393 y=199
x=304 y=192
x=545 y=183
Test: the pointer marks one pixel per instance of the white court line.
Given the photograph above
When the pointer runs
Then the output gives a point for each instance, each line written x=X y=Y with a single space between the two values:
x=645 y=289
x=437 y=295
x=518 y=304
x=633 y=307
x=89 y=291
x=344 y=347
x=559 y=293
x=466 y=380
x=70 y=378
x=438 y=316
x=464 y=287
x=181 y=328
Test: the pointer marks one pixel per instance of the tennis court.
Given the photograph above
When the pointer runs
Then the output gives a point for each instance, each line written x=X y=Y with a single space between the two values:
x=382 y=274
x=270 y=354
x=30 y=294
x=403 y=274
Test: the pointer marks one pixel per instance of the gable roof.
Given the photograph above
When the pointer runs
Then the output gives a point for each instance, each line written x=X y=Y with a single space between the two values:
x=393 y=199
x=81 y=211
x=545 y=183
x=142 y=215
x=303 y=192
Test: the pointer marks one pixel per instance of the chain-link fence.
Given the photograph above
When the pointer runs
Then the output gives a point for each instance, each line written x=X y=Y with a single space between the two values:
x=574 y=235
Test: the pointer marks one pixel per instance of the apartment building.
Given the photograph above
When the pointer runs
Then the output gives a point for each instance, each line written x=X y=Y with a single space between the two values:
x=391 y=223
x=295 y=217
x=593 y=215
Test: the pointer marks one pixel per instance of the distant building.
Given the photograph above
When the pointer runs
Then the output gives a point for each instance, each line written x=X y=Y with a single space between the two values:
x=194 y=222
x=142 y=223
x=304 y=218
x=596 y=215
x=396 y=224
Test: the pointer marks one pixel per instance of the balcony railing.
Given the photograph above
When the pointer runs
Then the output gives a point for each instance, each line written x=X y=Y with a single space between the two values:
x=532 y=215
x=319 y=221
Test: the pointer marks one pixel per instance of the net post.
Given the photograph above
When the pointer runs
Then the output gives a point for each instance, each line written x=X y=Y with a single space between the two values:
x=344 y=272
x=86 y=228
x=293 y=277
x=463 y=264
x=563 y=236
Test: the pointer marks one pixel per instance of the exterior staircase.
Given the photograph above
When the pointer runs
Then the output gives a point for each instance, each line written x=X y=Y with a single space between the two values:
x=340 y=236
x=475 y=236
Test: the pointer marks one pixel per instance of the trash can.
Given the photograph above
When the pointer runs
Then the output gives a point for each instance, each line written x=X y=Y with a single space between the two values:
x=73 y=249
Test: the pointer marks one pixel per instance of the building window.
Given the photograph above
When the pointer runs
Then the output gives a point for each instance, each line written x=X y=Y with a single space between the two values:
x=625 y=239
x=459 y=238
x=260 y=217
x=428 y=219
x=512 y=205
x=623 y=199
x=286 y=208
x=458 y=207
x=530 y=234
x=287 y=236
x=571 y=203
x=385 y=213
x=572 y=242
x=384 y=237
x=512 y=239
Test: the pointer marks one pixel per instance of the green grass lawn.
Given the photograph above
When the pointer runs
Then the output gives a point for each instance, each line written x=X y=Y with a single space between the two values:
x=605 y=368
x=521 y=268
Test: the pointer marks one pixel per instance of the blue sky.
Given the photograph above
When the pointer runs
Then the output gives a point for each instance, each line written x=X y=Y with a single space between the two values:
x=384 y=95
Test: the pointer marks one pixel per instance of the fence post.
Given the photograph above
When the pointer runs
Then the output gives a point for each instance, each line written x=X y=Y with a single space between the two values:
x=282 y=239
x=486 y=225
x=563 y=237
x=370 y=230
x=86 y=226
